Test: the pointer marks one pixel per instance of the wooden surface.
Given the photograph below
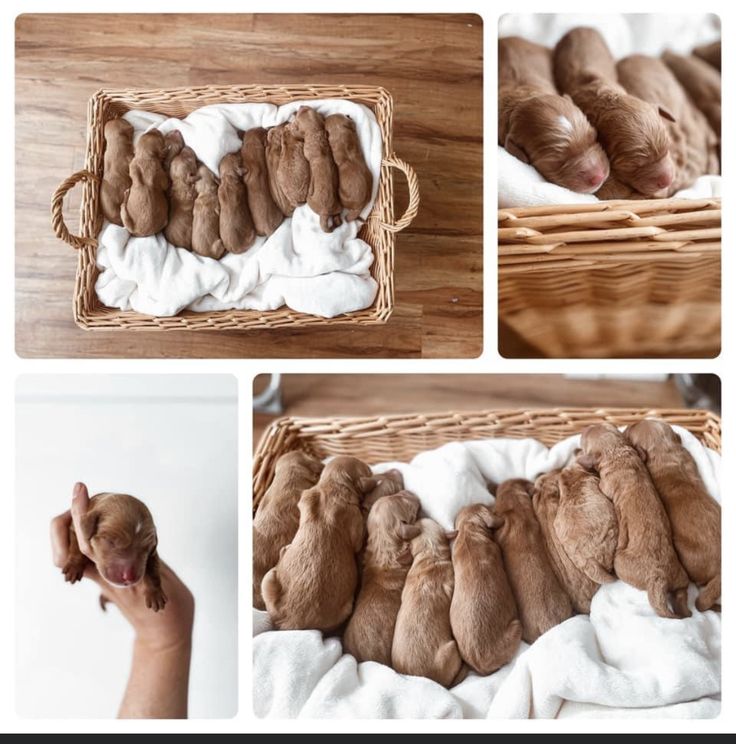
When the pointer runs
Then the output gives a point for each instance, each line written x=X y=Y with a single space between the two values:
x=431 y=64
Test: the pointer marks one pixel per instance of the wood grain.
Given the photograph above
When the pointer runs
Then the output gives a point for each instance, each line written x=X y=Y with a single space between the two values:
x=432 y=64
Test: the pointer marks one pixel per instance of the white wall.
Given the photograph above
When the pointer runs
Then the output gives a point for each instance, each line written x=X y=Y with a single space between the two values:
x=170 y=440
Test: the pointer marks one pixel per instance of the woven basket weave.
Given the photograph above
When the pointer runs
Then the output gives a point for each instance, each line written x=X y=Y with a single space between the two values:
x=385 y=438
x=617 y=278
x=378 y=231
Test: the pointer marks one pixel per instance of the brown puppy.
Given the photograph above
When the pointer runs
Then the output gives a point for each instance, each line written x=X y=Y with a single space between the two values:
x=710 y=53
x=263 y=210
x=356 y=181
x=541 y=127
x=174 y=142
x=183 y=174
x=645 y=556
x=546 y=501
x=206 y=217
x=370 y=632
x=293 y=173
x=586 y=523
x=145 y=209
x=274 y=154
x=631 y=131
x=313 y=584
x=483 y=613
x=236 y=224
x=423 y=645
x=387 y=484
x=694 y=515
x=322 y=197
x=116 y=174
x=540 y=598
x=121 y=534
x=277 y=519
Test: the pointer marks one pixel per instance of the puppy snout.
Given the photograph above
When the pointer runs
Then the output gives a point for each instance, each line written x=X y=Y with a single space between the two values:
x=123 y=575
x=595 y=176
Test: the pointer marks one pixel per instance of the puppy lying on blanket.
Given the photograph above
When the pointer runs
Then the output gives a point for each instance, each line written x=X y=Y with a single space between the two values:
x=206 y=217
x=183 y=174
x=274 y=154
x=263 y=210
x=237 y=231
x=293 y=172
x=116 y=174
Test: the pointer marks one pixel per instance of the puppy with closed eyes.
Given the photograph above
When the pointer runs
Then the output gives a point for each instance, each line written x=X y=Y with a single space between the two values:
x=116 y=172
x=183 y=174
x=206 y=216
x=274 y=153
x=237 y=231
x=293 y=173
x=264 y=212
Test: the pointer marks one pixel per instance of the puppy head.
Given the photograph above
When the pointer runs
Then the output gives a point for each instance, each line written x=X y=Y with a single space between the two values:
x=118 y=128
x=351 y=470
x=151 y=144
x=231 y=166
x=299 y=458
x=275 y=135
x=476 y=515
x=650 y=434
x=432 y=540
x=174 y=144
x=396 y=515
x=206 y=181
x=514 y=494
x=338 y=124
x=184 y=165
x=306 y=120
x=597 y=439
x=547 y=486
x=254 y=138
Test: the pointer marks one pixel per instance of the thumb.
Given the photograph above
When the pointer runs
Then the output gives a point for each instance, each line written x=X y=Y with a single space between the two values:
x=80 y=505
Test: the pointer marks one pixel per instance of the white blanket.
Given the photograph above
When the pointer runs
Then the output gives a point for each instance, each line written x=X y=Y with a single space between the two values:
x=311 y=271
x=622 y=660
x=519 y=184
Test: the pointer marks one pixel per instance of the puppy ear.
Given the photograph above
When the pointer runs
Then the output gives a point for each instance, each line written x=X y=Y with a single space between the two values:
x=491 y=519
x=586 y=461
x=665 y=114
x=513 y=149
x=409 y=531
x=367 y=483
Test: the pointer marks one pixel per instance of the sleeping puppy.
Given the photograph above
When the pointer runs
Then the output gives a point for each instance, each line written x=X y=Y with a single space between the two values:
x=183 y=174
x=277 y=518
x=645 y=556
x=174 y=142
x=540 y=598
x=236 y=225
x=263 y=210
x=540 y=127
x=121 y=534
x=370 y=632
x=694 y=515
x=313 y=584
x=206 y=217
x=274 y=150
x=116 y=174
x=483 y=613
x=293 y=173
x=423 y=645
x=387 y=484
x=322 y=197
x=145 y=209
x=586 y=523
x=355 y=180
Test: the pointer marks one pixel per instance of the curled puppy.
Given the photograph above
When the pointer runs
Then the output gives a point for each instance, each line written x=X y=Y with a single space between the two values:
x=586 y=523
x=277 y=518
x=206 y=217
x=694 y=515
x=183 y=175
x=274 y=149
x=483 y=613
x=423 y=645
x=322 y=197
x=263 y=210
x=145 y=209
x=370 y=632
x=293 y=173
x=355 y=180
x=540 y=598
x=387 y=484
x=541 y=127
x=645 y=556
x=174 y=142
x=122 y=536
x=237 y=231
x=313 y=584
x=116 y=173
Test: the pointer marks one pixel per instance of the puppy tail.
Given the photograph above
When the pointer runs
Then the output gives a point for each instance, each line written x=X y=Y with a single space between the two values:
x=597 y=573
x=658 y=599
x=353 y=215
x=709 y=594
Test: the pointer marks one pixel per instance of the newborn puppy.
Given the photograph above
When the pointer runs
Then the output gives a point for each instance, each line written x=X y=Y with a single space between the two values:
x=540 y=127
x=293 y=172
x=541 y=600
x=121 y=534
x=277 y=518
x=355 y=180
x=586 y=523
x=116 y=174
x=546 y=501
x=183 y=175
x=322 y=197
x=483 y=613
x=263 y=210
x=710 y=53
x=274 y=149
x=174 y=145
x=694 y=515
x=387 y=484
x=632 y=131
x=236 y=225
x=423 y=645
x=370 y=631
x=145 y=209
x=645 y=556
x=206 y=217
x=313 y=584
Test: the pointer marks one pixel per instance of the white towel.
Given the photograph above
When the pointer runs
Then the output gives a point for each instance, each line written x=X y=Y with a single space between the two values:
x=310 y=271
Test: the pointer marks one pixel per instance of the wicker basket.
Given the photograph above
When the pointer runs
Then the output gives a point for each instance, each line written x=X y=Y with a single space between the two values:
x=384 y=438
x=378 y=231
x=617 y=278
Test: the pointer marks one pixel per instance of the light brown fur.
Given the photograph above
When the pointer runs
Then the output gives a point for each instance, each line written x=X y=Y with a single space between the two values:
x=274 y=154
x=183 y=175
x=263 y=210
x=206 y=217
x=116 y=173
x=387 y=484
x=174 y=143
x=237 y=231
x=710 y=53
x=293 y=173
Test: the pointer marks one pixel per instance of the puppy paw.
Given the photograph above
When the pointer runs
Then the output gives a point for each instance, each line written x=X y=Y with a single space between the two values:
x=155 y=599
x=73 y=571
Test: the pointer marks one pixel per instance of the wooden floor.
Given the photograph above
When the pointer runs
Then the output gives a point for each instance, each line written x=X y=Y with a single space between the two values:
x=432 y=64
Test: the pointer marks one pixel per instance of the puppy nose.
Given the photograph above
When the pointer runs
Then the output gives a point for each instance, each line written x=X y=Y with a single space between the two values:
x=128 y=575
x=664 y=180
x=595 y=176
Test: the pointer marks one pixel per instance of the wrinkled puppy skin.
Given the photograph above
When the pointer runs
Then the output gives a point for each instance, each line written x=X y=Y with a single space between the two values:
x=264 y=212
x=237 y=231
x=206 y=218
x=122 y=537
x=293 y=172
x=183 y=174
x=274 y=148
x=116 y=174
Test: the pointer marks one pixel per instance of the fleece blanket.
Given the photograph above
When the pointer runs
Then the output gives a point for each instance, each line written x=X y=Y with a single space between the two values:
x=308 y=270
x=519 y=184
x=621 y=660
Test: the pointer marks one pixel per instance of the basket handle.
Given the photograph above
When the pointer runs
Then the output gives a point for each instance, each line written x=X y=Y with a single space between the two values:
x=413 y=182
x=57 y=205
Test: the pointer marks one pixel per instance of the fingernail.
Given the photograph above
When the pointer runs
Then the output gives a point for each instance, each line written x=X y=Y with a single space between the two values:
x=77 y=490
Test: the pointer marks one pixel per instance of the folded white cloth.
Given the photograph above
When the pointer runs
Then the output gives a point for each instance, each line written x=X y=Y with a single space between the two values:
x=621 y=660
x=311 y=271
